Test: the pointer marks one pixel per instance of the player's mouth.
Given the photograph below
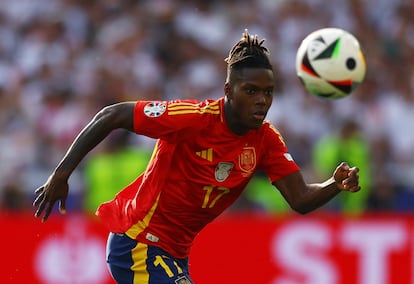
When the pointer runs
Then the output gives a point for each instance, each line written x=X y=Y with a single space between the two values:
x=259 y=115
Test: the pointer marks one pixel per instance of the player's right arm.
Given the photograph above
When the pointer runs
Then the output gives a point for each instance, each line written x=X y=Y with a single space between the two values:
x=56 y=187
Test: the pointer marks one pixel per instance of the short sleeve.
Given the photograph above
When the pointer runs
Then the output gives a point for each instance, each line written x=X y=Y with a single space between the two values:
x=276 y=161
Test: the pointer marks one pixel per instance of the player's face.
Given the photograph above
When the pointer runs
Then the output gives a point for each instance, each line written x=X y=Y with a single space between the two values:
x=249 y=97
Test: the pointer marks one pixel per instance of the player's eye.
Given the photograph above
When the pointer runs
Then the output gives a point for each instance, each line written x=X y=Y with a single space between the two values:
x=269 y=92
x=251 y=91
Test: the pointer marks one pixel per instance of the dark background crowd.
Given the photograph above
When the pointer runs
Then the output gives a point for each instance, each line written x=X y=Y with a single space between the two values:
x=63 y=60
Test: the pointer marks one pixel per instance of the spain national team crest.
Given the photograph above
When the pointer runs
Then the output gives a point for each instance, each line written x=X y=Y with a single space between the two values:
x=155 y=109
x=223 y=170
x=247 y=159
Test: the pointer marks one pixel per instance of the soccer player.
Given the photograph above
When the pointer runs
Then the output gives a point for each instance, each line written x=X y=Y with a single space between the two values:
x=206 y=153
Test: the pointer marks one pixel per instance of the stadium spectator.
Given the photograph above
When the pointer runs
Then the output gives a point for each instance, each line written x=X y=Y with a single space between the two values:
x=114 y=166
x=332 y=148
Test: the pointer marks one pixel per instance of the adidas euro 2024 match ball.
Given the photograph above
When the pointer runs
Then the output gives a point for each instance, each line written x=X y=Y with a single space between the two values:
x=330 y=63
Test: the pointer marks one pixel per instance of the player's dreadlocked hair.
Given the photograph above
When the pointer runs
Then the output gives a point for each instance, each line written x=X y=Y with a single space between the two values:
x=249 y=52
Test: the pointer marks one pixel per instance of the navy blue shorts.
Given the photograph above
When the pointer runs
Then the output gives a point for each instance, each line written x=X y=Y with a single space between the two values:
x=132 y=262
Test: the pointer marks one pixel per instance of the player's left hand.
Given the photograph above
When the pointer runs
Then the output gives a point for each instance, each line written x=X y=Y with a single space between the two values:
x=347 y=178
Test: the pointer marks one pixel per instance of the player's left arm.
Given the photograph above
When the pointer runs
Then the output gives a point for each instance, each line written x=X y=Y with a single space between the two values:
x=303 y=197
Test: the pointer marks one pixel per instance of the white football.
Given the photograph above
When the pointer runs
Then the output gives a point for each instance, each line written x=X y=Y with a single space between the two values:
x=330 y=63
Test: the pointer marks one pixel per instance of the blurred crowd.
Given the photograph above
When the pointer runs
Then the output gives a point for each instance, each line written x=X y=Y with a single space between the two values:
x=63 y=60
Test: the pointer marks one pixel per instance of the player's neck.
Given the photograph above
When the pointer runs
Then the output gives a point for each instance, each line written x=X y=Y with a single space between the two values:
x=231 y=120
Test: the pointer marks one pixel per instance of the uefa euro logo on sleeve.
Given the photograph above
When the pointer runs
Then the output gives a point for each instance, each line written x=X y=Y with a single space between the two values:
x=155 y=109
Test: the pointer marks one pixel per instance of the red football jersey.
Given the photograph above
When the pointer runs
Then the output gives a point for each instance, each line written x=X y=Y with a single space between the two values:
x=198 y=168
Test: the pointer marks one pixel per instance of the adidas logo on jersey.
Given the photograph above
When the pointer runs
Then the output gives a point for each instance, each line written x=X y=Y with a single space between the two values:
x=206 y=154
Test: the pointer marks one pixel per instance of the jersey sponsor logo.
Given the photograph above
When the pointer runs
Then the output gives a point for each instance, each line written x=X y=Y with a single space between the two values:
x=155 y=109
x=247 y=159
x=206 y=154
x=223 y=170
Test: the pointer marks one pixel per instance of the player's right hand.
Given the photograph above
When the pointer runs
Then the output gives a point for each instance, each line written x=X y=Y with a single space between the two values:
x=53 y=190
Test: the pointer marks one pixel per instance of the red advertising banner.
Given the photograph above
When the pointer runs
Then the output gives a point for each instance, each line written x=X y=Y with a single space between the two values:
x=64 y=250
x=234 y=249
x=316 y=249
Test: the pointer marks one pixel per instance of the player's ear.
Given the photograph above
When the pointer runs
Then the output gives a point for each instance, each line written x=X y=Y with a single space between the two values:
x=228 y=90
